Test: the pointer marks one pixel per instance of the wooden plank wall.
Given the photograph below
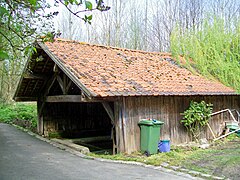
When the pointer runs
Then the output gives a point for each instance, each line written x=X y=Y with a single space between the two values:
x=130 y=110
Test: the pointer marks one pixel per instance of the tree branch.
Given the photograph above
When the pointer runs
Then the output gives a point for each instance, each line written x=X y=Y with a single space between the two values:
x=70 y=9
x=10 y=42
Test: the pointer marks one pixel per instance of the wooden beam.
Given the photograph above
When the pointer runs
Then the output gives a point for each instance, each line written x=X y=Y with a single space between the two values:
x=55 y=68
x=35 y=86
x=109 y=111
x=69 y=98
x=64 y=98
x=68 y=85
x=62 y=66
x=116 y=117
x=60 y=82
x=49 y=84
x=63 y=83
x=29 y=75
x=25 y=98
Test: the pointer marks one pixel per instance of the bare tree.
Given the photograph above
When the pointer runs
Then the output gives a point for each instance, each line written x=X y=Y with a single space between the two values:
x=69 y=25
x=147 y=24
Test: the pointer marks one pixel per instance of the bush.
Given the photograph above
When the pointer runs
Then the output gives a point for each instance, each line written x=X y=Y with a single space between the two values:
x=196 y=117
x=22 y=114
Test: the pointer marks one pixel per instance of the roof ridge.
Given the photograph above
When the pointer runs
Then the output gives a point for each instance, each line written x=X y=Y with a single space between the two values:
x=114 y=47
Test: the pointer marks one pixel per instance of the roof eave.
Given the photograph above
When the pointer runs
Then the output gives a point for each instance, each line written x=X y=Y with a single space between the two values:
x=66 y=70
x=20 y=81
x=177 y=94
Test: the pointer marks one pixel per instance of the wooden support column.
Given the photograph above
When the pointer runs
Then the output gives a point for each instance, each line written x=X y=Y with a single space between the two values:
x=42 y=101
x=40 y=127
x=48 y=86
x=120 y=125
x=110 y=113
x=116 y=117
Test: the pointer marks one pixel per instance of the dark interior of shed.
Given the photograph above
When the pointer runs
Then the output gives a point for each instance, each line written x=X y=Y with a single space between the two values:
x=87 y=121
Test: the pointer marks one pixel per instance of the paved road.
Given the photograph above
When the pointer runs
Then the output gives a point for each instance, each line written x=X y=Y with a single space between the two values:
x=25 y=157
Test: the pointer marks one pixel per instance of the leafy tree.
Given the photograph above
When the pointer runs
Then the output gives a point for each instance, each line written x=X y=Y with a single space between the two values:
x=21 y=23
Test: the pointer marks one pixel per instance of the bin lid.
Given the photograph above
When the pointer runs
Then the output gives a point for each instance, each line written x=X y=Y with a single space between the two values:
x=157 y=122
x=165 y=140
x=150 y=122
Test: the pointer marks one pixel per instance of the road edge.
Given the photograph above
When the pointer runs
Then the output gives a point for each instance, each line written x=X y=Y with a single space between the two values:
x=164 y=167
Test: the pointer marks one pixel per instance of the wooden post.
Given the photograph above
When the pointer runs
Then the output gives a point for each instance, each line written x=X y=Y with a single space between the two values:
x=41 y=102
x=120 y=126
x=40 y=127
x=110 y=113
x=116 y=117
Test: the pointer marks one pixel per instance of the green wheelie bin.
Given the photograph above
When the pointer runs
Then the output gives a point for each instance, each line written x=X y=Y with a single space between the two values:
x=150 y=135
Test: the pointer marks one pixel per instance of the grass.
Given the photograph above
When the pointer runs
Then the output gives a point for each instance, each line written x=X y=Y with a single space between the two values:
x=174 y=157
x=21 y=114
x=221 y=159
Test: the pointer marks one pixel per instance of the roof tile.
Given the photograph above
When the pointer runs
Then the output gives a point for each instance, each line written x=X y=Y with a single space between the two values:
x=109 y=71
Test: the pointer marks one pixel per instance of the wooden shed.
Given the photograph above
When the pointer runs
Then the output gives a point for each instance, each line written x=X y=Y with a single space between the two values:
x=93 y=90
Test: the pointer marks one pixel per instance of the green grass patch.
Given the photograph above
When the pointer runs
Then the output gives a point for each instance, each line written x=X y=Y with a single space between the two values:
x=175 y=157
x=21 y=114
x=55 y=135
x=221 y=159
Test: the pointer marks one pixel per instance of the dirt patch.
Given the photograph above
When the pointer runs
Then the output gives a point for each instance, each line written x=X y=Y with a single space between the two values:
x=221 y=160
x=25 y=124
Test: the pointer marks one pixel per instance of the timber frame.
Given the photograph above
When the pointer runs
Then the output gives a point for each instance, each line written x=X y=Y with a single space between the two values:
x=57 y=90
x=65 y=83
x=41 y=79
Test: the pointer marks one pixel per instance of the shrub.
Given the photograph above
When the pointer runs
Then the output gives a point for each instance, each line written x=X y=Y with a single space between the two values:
x=196 y=117
x=22 y=114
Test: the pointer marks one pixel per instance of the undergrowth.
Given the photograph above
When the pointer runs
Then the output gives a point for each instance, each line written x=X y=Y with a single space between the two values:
x=212 y=51
x=21 y=114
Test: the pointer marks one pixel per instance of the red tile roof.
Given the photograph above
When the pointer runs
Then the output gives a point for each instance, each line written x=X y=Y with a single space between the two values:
x=109 y=71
